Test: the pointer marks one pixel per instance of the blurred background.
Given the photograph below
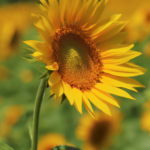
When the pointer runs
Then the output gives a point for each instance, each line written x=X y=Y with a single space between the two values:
x=128 y=129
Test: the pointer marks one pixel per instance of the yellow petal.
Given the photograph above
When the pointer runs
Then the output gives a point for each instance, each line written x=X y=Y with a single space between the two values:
x=41 y=8
x=44 y=3
x=123 y=68
x=88 y=13
x=102 y=25
x=44 y=36
x=54 y=14
x=54 y=78
x=40 y=56
x=119 y=81
x=88 y=106
x=77 y=94
x=53 y=66
x=117 y=39
x=76 y=5
x=39 y=46
x=68 y=92
x=58 y=89
x=82 y=12
x=47 y=26
x=115 y=50
x=38 y=21
x=100 y=6
x=109 y=33
x=116 y=47
x=120 y=59
x=130 y=64
x=105 y=96
x=113 y=90
x=97 y=102
x=62 y=4
x=122 y=74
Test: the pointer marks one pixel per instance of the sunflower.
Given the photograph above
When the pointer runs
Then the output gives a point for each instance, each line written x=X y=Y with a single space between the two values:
x=97 y=134
x=85 y=53
x=11 y=117
x=51 y=140
x=14 y=20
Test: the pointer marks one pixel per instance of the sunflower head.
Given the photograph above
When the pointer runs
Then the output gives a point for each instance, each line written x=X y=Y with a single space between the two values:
x=97 y=134
x=85 y=53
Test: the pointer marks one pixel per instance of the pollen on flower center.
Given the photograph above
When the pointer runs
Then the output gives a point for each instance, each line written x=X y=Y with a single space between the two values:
x=77 y=57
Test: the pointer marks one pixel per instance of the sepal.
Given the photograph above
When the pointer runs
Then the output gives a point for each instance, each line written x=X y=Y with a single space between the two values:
x=45 y=75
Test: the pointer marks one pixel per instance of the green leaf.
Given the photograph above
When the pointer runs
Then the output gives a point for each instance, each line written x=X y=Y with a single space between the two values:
x=45 y=75
x=5 y=147
x=64 y=147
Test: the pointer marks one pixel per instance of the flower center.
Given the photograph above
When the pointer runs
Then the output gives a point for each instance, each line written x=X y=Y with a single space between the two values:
x=77 y=57
x=100 y=133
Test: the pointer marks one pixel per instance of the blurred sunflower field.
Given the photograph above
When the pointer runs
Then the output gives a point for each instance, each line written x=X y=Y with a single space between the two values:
x=128 y=127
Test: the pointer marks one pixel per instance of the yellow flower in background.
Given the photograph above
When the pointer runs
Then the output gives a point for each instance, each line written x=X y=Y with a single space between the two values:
x=85 y=53
x=137 y=12
x=14 y=20
x=145 y=121
x=125 y=7
x=97 y=134
x=140 y=21
x=51 y=140
x=3 y=72
x=26 y=76
x=145 y=118
x=11 y=117
x=147 y=105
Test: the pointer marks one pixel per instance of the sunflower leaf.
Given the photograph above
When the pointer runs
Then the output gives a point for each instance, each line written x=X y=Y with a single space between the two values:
x=5 y=147
x=65 y=147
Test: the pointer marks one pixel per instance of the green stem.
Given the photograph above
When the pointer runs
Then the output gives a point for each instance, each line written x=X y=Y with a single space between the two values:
x=37 y=107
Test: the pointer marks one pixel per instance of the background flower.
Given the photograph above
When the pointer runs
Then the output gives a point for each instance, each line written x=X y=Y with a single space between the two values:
x=97 y=134
x=51 y=140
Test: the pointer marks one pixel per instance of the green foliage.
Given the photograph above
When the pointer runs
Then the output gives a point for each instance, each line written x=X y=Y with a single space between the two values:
x=5 y=147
